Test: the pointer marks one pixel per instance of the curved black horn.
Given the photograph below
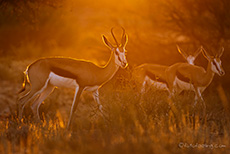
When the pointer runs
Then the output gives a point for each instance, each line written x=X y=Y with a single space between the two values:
x=114 y=37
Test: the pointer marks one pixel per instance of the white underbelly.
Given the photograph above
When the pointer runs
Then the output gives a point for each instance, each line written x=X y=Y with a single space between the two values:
x=160 y=85
x=60 y=81
x=183 y=85
x=156 y=84
x=91 y=88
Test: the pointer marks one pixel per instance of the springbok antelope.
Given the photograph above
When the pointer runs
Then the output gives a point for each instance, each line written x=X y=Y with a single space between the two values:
x=154 y=74
x=183 y=76
x=47 y=73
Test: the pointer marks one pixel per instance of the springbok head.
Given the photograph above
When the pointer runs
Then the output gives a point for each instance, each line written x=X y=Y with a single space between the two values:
x=118 y=49
x=191 y=57
x=216 y=65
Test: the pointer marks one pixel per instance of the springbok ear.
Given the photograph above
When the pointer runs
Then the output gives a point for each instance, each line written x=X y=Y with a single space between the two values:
x=106 y=42
x=220 y=53
x=198 y=51
x=124 y=40
x=181 y=52
x=206 y=55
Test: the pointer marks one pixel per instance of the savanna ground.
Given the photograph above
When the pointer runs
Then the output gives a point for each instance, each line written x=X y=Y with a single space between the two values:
x=32 y=29
x=125 y=126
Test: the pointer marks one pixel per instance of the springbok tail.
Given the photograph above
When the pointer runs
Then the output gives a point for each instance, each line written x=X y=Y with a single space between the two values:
x=24 y=82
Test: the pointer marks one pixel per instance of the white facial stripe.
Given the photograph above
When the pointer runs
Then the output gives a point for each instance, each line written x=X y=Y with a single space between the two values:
x=190 y=59
x=121 y=57
x=217 y=65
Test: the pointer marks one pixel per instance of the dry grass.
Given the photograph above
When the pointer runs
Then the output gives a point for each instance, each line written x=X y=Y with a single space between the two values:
x=126 y=125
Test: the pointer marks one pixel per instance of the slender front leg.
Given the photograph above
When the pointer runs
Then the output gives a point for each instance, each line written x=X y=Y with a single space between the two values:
x=96 y=98
x=198 y=96
x=143 y=86
x=172 y=90
x=201 y=98
x=171 y=83
x=77 y=95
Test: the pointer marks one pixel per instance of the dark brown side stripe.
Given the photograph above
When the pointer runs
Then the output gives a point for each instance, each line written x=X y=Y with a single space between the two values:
x=156 y=78
x=63 y=73
x=182 y=77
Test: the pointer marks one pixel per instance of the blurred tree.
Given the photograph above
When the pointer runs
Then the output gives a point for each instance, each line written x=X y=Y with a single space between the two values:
x=201 y=22
x=205 y=22
x=30 y=7
x=17 y=3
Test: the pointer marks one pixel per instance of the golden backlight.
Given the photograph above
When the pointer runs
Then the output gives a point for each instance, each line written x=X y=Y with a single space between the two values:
x=132 y=121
